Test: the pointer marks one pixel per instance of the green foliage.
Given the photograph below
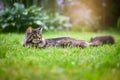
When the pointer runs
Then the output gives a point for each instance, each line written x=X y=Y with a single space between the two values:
x=18 y=18
x=57 y=21
x=96 y=63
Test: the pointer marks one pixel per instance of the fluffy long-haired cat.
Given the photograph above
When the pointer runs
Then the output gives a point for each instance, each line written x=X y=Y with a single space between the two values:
x=33 y=38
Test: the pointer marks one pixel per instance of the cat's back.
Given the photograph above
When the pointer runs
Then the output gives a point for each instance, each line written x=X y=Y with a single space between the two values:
x=60 y=38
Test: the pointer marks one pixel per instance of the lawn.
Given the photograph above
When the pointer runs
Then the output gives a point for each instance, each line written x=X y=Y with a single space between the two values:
x=55 y=63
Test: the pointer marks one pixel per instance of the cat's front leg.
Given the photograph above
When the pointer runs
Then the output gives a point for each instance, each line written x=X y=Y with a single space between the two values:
x=28 y=45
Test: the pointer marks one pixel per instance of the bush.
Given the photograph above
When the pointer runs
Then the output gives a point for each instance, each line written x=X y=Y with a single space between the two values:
x=19 y=18
x=57 y=21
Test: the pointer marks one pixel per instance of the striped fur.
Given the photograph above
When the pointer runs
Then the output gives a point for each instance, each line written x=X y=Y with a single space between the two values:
x=33 y=38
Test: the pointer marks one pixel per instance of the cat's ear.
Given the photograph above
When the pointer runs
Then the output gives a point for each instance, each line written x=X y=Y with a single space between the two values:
x=29 y=30
x=40 y=29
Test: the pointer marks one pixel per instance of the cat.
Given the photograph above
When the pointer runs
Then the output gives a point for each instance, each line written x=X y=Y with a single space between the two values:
x=101 y=40
x=33 y=38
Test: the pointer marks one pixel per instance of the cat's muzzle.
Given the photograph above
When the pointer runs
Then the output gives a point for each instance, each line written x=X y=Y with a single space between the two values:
x=36 y=40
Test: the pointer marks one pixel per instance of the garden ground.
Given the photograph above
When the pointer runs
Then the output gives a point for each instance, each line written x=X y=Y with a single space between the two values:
x=55 y=63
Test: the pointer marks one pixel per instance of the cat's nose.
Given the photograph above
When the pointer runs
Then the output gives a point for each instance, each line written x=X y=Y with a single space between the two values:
x=38 y=36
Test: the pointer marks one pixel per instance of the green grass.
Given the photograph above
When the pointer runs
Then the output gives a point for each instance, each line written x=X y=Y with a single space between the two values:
x=95 y=63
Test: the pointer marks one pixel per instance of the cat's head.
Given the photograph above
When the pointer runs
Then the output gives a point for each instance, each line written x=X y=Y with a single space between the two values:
x=34 y=35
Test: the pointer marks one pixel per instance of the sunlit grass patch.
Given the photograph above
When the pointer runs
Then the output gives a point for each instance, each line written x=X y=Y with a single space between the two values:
x=18 y=62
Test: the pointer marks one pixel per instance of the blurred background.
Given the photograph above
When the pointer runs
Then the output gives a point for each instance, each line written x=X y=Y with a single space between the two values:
x=78 y=15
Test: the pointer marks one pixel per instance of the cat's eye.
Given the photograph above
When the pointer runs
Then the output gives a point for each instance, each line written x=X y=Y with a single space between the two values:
x=33 y=35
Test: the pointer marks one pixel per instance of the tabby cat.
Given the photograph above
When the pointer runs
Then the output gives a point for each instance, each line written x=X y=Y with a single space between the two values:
x=34 y=38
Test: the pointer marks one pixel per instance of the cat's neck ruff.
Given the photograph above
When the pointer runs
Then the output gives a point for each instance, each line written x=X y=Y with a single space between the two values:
x=43 y=43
